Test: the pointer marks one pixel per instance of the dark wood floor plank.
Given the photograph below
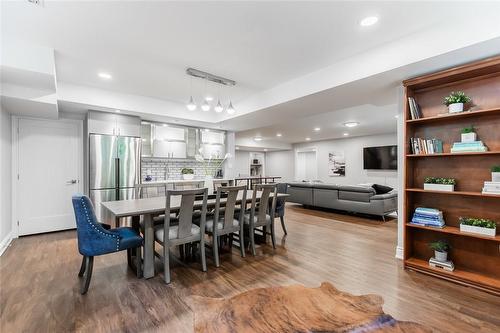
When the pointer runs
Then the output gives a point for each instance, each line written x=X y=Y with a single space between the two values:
x=39 y=284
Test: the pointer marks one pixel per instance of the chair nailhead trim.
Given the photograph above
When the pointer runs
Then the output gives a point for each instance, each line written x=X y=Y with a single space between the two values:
x=97 y=229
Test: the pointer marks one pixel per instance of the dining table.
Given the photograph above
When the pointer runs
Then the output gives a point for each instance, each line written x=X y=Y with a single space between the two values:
x=150 y=207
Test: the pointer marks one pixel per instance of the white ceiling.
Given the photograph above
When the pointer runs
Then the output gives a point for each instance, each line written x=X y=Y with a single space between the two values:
x=147 y=46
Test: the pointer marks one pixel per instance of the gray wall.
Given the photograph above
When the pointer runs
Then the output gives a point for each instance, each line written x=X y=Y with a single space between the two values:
x=5 y=178
x=281 y=163
x=353 y=152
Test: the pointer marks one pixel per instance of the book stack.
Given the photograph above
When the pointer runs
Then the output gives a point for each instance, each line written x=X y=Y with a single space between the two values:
x=468 y=147
x=491 y=188
x=446 y=265
x=428 y=217
x=426 y=146
x=415 y=112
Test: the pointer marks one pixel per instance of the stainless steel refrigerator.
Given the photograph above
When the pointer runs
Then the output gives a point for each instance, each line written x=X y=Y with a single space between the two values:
x=114 y=169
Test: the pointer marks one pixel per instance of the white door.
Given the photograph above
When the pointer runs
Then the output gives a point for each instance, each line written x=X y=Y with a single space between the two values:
x=49 y=167
x=306 y=165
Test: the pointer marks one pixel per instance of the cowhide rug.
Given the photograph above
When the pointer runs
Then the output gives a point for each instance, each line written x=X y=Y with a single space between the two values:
x=296 y=309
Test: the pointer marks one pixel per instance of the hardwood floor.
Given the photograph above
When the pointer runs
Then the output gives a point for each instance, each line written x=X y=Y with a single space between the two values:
x=39 y=284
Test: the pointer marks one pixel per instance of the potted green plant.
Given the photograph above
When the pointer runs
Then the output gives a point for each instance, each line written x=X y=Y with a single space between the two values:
x=187 y=173
x=478 y=226
x=441 y=249
x=439 y=184
x=495 y=173
x=455 y=101
x=469 y=134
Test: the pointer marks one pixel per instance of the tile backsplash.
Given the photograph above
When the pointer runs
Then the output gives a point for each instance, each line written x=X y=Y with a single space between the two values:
x=157 y=168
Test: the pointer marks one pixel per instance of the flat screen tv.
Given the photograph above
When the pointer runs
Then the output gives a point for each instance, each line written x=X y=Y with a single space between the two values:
x=380 y=158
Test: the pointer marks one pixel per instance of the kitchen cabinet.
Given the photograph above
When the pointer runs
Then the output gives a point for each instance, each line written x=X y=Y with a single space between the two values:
x=113 y=124
x=169 y=149
x=169 y=133
x=213 y=151
x=212 y=137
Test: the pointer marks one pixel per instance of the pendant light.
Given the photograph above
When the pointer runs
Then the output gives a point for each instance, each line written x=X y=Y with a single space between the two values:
x=191 y=105
x=205 y=106
x=218 y=108
x=230 y=108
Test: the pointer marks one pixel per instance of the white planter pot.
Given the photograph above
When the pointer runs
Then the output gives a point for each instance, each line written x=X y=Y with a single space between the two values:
x=188 y=176
x=478 y=230
x=469 y=137
x=495 y=176
x=439 y=187
x=441 y=256
x=455 y=107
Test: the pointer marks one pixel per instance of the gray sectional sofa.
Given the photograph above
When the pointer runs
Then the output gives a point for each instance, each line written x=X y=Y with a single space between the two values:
x=356 y=199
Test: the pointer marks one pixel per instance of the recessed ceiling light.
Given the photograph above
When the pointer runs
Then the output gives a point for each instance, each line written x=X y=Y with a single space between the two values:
x=367 y=21
x=396 y=116
x=279 y=134
x=258 y=138
x=308 y=139
x=164 y=125
x=237 y=148
x=346 y=134
x=351 y=124
x=117 y=111
x=265 y=149
x=209 y=98
x=317 y=129
x=105 y=76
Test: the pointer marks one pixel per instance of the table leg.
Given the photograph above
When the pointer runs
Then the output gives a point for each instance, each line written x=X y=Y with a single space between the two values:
x=149 y=244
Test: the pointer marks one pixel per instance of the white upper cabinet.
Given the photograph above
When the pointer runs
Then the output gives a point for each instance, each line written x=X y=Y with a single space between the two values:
x=169 y=149
x=113 y=124
x=212 y=137
x=213 y=151
x=170 y=133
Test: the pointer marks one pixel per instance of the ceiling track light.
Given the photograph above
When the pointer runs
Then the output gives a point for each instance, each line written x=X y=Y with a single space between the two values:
x=210 y=77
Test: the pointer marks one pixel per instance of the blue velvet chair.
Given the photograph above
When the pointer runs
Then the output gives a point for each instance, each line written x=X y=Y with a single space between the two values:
x=94 y=240
x=280 y=205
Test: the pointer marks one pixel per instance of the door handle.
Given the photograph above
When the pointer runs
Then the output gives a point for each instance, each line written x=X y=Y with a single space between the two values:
x=72 y=181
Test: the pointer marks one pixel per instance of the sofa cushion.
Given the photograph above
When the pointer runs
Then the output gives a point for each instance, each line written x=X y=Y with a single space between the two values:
x=355 y=196
x=327 y=186
x=357 y=188
x=391 y=194
x=381 y=189
x=300 y=184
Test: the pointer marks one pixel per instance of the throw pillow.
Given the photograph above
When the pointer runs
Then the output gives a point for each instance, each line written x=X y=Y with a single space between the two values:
x=381 y=189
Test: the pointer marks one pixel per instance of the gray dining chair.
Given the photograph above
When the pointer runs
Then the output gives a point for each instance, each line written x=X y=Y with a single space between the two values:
x=150 y=190
x=185 y=231
x=261 y=214
x=153 y=190
x=189 y=185
x=222 y=182
x=224 y=220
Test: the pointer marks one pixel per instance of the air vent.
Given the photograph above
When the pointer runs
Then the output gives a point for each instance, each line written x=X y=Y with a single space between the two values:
x=36 y=2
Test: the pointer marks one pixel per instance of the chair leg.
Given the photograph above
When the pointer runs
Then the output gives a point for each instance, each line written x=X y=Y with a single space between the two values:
x=129 y=257
x=166 y=263
x=181 y=252
x=216 y=249
x=202 y=254
x=138 y=262
x=282 y=219
x=273 y=236
x=252 y=240
x=89 y=264
x=242 y=242
x=82 y=267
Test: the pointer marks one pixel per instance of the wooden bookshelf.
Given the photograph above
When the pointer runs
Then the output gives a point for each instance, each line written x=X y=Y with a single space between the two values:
x=476 y=257
x=464 y=193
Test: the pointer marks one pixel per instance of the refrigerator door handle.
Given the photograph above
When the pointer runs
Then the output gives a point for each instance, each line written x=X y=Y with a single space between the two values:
x=117 y=178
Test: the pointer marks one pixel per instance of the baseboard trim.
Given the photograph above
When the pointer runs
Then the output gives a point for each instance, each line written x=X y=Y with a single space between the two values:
x=5 y=243
x=399 y=252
